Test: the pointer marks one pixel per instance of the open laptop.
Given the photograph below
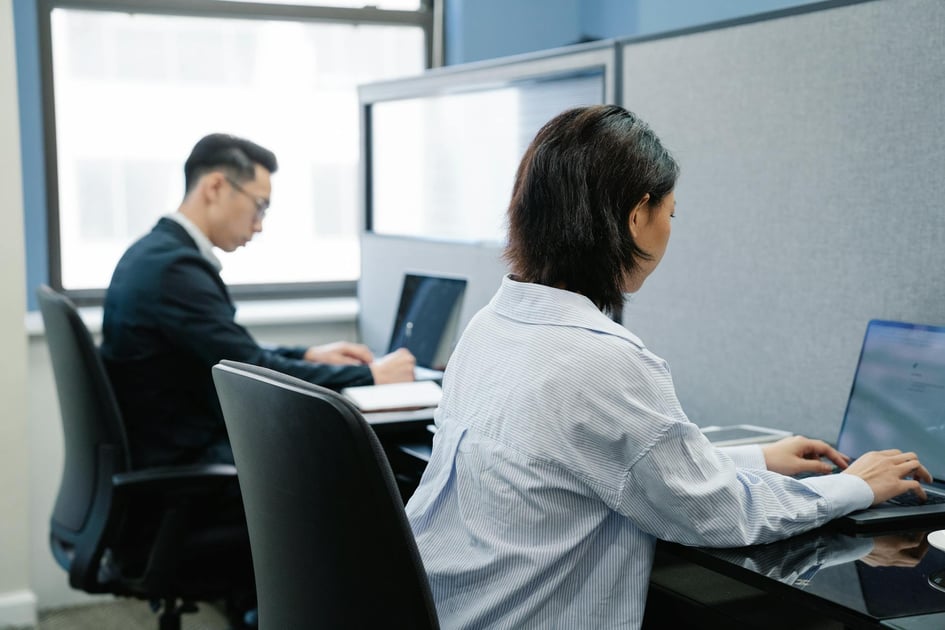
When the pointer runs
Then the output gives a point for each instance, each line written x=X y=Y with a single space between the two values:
x=898 y=401
x=427 y=321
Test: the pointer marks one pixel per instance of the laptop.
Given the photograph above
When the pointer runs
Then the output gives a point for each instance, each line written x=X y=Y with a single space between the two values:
x=898 y=401
x=427 y=321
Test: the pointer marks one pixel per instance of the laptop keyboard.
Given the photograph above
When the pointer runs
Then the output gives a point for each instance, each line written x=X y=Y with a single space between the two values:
x=909 y=499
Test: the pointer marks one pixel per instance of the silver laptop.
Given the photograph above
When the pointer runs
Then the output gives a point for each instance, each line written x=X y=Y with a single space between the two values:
x=898 y=401
x=427 y=321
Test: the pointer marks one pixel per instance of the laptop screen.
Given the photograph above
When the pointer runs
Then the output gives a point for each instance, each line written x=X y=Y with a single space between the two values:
x=898 y=394
x=427 y=318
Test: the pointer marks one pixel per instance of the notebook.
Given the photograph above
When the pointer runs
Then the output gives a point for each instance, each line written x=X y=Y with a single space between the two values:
x=898 y=401
x=427 y=321
x=394 y=396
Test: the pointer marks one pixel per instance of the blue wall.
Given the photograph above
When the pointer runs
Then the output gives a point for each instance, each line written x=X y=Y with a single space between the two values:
x=484 y=29
x=31 y=145
x=606 y=19
x=654 y=16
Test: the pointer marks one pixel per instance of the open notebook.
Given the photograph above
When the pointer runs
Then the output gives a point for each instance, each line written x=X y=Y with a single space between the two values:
x=394 y=396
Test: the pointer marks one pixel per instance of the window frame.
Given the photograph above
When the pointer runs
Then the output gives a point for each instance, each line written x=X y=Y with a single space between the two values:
x=429 y=18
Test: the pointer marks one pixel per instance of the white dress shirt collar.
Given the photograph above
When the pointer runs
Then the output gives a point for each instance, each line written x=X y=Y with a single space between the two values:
x=540 y=304
x=203 y=243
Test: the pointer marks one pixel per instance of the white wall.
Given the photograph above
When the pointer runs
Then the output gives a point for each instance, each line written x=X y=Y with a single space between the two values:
x=17 y=604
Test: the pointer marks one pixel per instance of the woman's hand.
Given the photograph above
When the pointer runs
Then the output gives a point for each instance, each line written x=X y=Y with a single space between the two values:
x=798 y=454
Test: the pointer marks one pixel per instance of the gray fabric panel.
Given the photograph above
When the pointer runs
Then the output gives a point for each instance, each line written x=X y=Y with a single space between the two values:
x=385 y=260
x=811 y=200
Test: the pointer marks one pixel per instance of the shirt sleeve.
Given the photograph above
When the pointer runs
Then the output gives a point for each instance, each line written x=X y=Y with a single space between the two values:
x=746 y=456
x=196 y=315
x=685 y=490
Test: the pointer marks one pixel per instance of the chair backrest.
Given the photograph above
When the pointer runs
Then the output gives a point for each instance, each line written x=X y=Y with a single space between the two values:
x=95 y=442
x=330 y=539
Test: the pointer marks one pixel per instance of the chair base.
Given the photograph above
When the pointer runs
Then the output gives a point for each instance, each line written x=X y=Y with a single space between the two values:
x=171 y=610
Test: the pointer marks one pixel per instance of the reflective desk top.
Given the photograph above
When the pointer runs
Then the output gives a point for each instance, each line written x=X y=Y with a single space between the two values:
x=869 y=582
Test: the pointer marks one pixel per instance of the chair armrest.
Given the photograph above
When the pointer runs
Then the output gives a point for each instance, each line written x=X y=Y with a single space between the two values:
x=162 y=501
x=194 y=479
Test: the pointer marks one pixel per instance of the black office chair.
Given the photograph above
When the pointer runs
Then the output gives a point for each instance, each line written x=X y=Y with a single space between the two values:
x=123 y=531
x=331 y=544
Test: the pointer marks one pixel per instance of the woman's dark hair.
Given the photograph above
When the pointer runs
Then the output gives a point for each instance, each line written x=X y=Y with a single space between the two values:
x=236 y=156
x=579 y=179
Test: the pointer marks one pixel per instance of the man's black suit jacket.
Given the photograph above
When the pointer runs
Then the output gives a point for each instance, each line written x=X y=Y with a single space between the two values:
x=168 y=319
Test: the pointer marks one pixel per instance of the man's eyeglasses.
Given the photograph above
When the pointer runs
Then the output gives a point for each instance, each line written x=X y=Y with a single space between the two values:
x=261 y=203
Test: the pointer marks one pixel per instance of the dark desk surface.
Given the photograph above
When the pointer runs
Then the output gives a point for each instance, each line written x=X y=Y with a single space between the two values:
x=860 y=582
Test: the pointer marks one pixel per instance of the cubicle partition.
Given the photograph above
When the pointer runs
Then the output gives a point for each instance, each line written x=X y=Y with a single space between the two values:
x=385 y=260
x=439 y=155
x=810 y=201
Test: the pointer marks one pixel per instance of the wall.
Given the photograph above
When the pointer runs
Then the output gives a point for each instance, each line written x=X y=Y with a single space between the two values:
x=606 y=19
x=485 y=29
x=17 y=603
x=32 y=153
x=654 y=16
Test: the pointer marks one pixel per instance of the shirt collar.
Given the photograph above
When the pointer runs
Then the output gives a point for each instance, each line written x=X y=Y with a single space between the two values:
x=203 y=243
x=539 y=304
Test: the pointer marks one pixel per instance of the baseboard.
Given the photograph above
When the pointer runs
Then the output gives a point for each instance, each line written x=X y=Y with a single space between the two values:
x=18 y=608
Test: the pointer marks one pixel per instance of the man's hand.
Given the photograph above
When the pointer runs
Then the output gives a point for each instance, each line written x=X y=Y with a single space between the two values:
x=396 y=367
x=890 y=473
x=339 y=353
x=796 y=454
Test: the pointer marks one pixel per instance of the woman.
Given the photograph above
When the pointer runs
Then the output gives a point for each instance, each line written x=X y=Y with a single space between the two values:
x=562 y=452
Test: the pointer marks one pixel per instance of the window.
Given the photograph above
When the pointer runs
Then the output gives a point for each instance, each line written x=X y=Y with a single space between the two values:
x=435 y=177
x=134 y=91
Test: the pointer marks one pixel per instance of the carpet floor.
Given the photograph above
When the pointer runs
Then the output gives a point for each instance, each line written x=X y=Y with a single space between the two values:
x=122 y=614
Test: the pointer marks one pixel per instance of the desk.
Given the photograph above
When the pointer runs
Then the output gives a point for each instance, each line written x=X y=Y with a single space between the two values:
x=821 y=579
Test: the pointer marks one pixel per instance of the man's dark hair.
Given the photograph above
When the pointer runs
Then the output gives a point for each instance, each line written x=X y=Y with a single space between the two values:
x=579 y=179
x=235 y=156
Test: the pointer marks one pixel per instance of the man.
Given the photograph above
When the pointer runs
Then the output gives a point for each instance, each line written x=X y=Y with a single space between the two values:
x=169 y=317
